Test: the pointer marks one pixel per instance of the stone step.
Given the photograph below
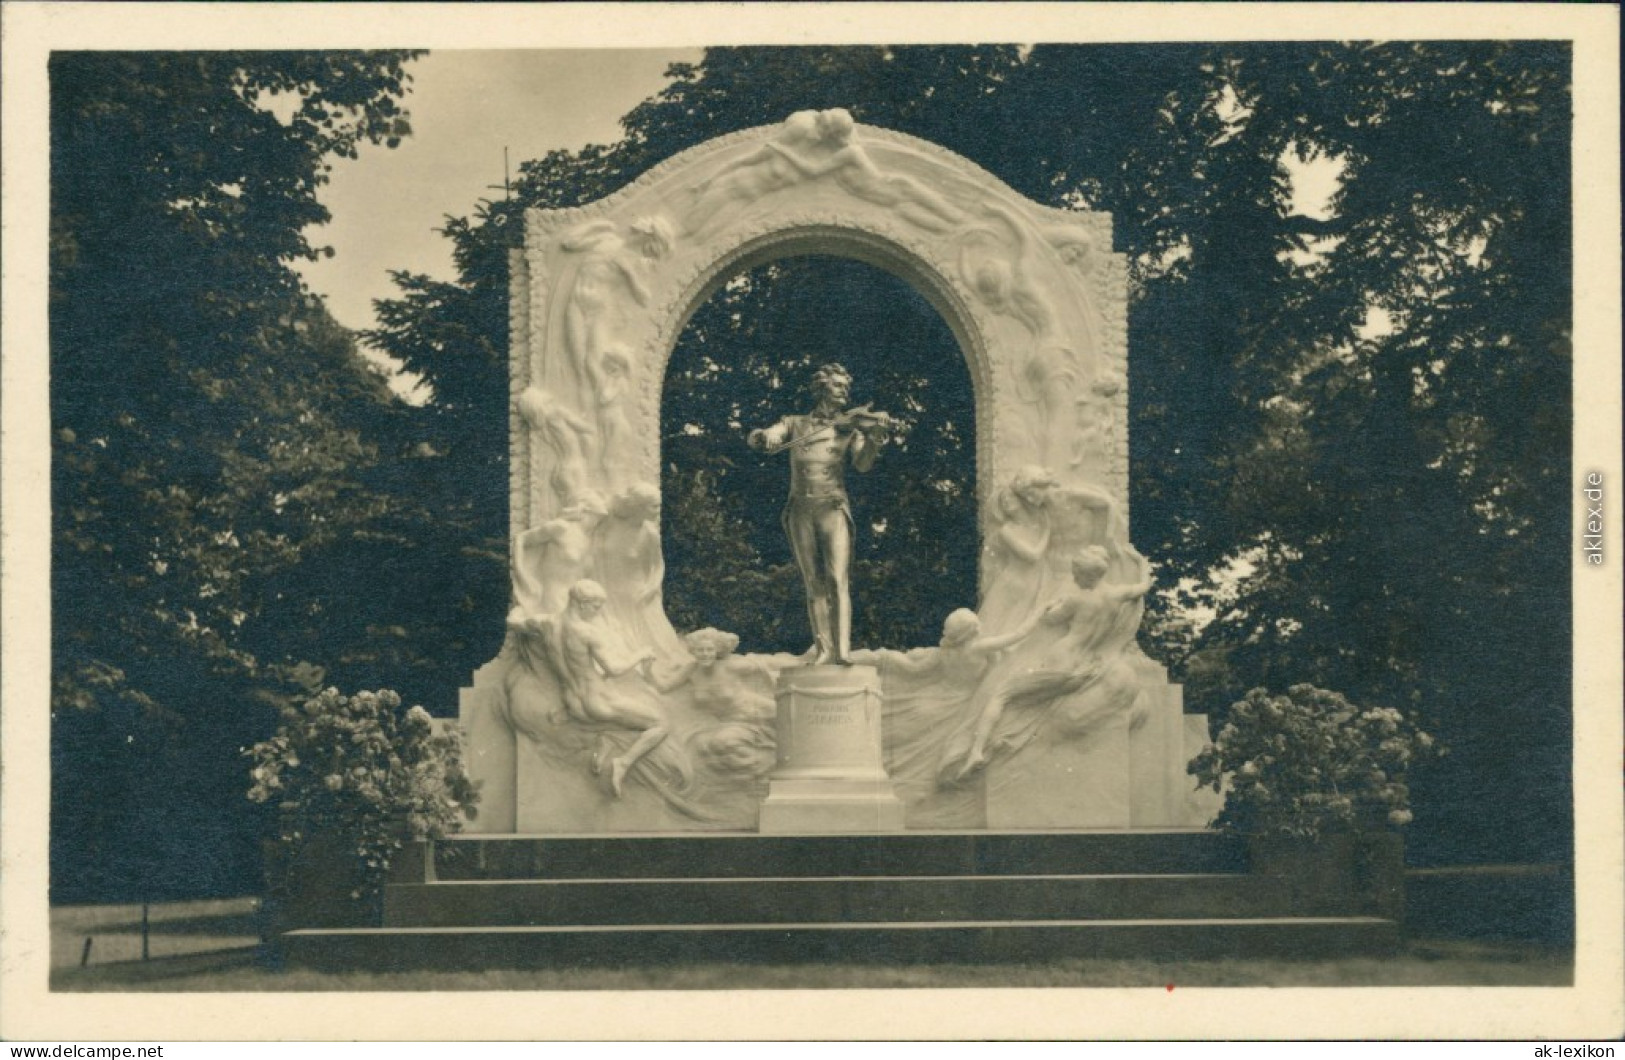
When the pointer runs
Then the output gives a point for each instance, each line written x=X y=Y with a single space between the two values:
x=857 y=899
x=748 y=855
x=881 y=942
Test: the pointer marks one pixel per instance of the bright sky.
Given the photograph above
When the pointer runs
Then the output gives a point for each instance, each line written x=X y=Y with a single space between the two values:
x=465 y=107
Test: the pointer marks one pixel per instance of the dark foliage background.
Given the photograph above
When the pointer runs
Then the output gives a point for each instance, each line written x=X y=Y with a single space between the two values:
x=242 y=511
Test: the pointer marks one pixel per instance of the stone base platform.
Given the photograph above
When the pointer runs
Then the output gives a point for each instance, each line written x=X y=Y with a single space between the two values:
x=504 y=901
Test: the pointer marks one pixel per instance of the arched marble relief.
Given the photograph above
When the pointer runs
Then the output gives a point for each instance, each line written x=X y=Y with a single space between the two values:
x=1037 y=301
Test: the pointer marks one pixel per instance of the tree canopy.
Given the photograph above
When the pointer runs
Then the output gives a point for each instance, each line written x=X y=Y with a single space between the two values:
x=222 y=454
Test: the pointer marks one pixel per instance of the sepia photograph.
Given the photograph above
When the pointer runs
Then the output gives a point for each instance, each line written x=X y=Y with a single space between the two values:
x=811 y=521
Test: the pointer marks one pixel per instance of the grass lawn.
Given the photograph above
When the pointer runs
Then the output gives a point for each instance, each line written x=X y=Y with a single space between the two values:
x=210 y=946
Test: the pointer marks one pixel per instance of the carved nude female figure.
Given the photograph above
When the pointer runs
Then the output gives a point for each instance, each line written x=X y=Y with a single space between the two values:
x=611 y=264
x=995 y=268
x=835 y=153
x=609 y=376
x=1098 y=621
x=929 y=696
x=742 y=181
x=714 y=678
x=550 y=558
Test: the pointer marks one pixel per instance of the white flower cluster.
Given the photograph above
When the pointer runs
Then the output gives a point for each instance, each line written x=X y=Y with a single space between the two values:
x=360 y=767
x=1310 y=762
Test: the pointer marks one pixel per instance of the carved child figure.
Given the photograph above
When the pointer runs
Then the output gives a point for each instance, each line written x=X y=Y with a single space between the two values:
x=930 y=694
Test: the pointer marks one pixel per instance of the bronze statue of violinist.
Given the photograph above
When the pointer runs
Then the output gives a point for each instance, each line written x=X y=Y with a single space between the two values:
x=818 y=516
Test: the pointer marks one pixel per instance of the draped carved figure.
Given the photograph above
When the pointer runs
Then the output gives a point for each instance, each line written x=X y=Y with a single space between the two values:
x=1015 y=572
x=609 y=273
x=1071 y=681
x=931 y=697
x=631 y=567
x=808 y=146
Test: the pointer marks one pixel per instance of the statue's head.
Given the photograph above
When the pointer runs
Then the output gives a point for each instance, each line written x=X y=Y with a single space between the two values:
x=831 y=383
x=637 y=502
x=960 y=627
x=993 y=280
x=802 y=124
x=836 y=125
x=708 y=645
x=1073 y=245
x=652 y=236
x=1089 y=566
x=1032 y=484
x=587 y=597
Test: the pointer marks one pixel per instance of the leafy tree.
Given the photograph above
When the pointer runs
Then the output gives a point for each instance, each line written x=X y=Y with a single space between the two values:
x=214 y=434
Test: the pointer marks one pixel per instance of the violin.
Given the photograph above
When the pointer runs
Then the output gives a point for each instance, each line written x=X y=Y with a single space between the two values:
x=865 y=418
x=862 y=418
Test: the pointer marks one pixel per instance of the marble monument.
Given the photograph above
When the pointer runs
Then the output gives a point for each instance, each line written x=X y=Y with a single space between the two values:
x=1038 y=710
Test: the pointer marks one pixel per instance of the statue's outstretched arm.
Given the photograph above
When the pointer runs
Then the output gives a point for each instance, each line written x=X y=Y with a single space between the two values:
x=1005 y=640
x=611 y=666
x=769 y=437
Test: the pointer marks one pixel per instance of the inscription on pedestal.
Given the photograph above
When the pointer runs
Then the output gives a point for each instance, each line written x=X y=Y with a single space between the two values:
x=831 y=776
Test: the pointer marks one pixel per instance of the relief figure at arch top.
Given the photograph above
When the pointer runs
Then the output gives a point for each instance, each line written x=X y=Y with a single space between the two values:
x=811 y=145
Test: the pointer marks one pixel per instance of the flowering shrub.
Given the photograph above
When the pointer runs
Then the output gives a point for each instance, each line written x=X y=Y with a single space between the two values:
x=1310 y=762
x=360 y=768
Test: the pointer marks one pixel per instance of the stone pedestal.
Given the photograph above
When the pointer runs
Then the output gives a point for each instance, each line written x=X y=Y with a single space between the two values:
x=830 y=776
